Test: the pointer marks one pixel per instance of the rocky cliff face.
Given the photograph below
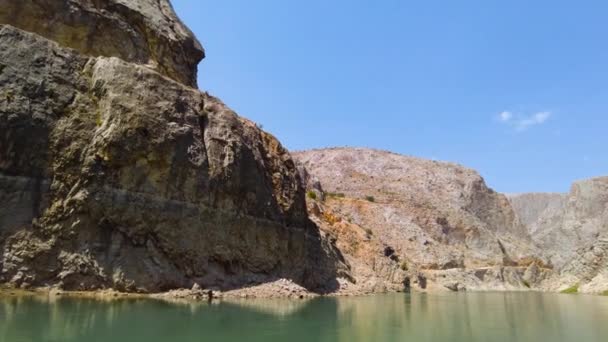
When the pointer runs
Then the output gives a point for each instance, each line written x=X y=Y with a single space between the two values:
x=115 y=174
x=145 y=32
x=431 y=220
x=571 y=231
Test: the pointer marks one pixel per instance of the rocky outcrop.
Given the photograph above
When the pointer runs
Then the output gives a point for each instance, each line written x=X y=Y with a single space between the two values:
x=433 y=224
x=145 y=32
x=571 y=231
x=535 y=209
x=119 y=175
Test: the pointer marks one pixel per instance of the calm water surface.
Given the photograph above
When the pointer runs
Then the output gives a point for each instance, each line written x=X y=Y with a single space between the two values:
x=450 y=317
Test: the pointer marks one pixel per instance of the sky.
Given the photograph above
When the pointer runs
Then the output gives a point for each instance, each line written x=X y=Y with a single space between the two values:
x=517 y=90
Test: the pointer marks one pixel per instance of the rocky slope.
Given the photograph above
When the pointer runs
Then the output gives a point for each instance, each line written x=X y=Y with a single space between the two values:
x=572 y=232
x=116 y=174
x=436 y=223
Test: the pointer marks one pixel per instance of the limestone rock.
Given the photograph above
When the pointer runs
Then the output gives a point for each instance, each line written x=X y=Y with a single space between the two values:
x=571 y=231
x=139 y=31
x=435 y=216
x=118 y=177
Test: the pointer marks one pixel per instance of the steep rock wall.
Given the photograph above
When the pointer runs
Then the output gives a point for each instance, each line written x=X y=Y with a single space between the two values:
x=115 y=176
x=434 y=220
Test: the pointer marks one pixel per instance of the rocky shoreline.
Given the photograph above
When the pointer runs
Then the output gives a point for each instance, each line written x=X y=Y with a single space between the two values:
x=282 y=289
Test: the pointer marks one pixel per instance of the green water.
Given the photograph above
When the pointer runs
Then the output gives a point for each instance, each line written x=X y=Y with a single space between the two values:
x=451 y=317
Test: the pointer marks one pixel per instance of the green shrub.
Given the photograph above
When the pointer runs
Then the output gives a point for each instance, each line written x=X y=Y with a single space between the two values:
x=526 y=283
x=370 y=198
x=404 y=266
x=312 y=195
x=571 y=290
x=605 y=293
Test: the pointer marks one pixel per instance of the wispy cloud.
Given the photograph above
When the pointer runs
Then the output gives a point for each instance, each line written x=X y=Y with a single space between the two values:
x=505 y=116
x=522 y=122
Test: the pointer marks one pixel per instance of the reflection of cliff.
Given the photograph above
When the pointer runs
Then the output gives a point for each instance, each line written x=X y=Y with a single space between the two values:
x=472 y=317
x=449 y=317
x=274 y=307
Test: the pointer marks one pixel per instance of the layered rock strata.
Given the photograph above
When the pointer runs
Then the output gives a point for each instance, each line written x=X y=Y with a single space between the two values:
x=115 y=174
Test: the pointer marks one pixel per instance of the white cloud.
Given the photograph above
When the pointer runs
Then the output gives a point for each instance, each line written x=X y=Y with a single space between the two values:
x=505 y=116
x=522 y=122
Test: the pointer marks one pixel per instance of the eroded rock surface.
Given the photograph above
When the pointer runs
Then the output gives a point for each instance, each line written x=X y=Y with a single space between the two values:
x=418 y=222
x=114 y=176
x=145 y=32
x=572 y=232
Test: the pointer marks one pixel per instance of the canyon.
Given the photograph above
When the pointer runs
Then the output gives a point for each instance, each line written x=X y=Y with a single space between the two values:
x=117 y=173
x=439 y=225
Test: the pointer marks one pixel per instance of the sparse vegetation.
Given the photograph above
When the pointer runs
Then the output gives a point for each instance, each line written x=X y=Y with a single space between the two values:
x=571 y=290
x=312 y=195
x=370 y=198
x=336 y=194
x=526 y=283
x=330 y=218
x=369 y=232
x=98 y=119
x=605 y=293
x=404 y=266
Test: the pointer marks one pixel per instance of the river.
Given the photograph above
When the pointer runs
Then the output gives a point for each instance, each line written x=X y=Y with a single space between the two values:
x=395 y=317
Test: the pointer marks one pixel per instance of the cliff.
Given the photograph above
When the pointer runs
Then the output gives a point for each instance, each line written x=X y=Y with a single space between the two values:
x=116 y=173
x=435 y=221
x=572 y=232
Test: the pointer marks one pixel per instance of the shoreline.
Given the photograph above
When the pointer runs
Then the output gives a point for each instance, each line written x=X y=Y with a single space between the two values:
x=190 y=296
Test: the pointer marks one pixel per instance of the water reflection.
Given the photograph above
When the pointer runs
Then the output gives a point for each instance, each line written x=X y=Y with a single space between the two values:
x=450 y=317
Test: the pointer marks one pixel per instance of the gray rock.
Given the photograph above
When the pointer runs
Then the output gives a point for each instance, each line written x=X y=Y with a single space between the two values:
x=570 y=230
x=121 y=178
x=140 y=31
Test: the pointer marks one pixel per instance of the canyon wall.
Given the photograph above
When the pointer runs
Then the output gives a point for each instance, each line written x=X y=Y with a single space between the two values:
x=116 y=173
x=571 y=231
x=435 y=221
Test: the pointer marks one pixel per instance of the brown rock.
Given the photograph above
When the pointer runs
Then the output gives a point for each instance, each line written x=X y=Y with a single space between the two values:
x=121 y=178
x=139 y=31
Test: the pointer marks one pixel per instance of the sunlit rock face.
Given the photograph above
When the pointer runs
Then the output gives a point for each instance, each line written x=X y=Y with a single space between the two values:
x=432 y=220
x=572 y=232
x=116 y=173
x=145 y=32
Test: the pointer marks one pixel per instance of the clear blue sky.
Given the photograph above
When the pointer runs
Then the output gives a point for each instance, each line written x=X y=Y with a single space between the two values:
x=517 y=90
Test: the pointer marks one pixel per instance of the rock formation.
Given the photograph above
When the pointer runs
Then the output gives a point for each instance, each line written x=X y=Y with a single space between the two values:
x=432 y=220
x=138 y=31
x=116 y=174
x=572 y=232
